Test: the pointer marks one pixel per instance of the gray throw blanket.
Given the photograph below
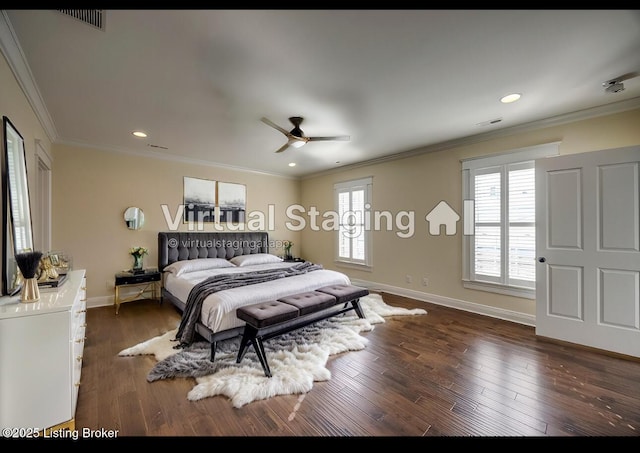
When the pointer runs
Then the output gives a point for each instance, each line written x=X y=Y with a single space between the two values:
x=191 y=313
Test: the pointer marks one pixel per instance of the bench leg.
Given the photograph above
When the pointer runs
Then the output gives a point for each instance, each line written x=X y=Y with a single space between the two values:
x=250 y=336
x=356 y=306
x=213 y=351
x=257 y=345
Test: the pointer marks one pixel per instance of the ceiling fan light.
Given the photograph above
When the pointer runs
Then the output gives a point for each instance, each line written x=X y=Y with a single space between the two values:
x=613 y=86
x=298 y=144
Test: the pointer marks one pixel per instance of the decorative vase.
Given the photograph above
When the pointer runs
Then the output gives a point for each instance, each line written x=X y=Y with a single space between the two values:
x=30 y=290
x=137 y=262
x=287 y=255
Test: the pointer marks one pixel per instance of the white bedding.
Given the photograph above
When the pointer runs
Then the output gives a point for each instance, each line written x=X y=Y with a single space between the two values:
x=219 y=309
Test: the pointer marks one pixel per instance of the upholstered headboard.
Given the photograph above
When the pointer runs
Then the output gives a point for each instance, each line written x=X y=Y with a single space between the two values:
x=177 y=246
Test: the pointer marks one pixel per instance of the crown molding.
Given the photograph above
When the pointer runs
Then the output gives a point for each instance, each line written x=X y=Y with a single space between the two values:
x=18 y=63
x=171 y=158
x=609 y=109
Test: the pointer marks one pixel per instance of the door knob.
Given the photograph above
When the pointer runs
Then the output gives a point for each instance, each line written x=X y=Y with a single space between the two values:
x=542 y=259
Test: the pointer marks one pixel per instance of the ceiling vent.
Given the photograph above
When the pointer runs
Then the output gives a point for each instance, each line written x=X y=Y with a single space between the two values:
x=93 y=17
x=490 y=122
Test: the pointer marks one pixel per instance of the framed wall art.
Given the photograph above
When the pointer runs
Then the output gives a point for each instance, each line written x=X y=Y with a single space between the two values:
x=205 y=198
x=199 y=200
x=232 y=200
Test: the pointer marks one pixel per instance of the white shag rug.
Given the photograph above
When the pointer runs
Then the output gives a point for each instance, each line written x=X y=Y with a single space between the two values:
x=296 y=359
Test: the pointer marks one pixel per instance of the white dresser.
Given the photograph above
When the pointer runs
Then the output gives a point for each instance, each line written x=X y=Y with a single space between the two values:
x=41 y=347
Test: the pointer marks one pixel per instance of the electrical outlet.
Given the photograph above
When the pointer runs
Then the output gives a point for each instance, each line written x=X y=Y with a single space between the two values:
x=425 y=281
x=408 y=278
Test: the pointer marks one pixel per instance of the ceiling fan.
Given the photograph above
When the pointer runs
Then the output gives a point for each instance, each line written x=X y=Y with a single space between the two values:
x=616 y=85
x=296 y=137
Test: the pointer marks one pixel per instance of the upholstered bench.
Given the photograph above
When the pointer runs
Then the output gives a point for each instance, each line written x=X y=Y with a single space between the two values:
x=273 y=318
x=345 y=294
x=267 y=313
x=309 y=302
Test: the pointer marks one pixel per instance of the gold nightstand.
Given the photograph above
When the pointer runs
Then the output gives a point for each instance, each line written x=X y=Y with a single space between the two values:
x=148 y=282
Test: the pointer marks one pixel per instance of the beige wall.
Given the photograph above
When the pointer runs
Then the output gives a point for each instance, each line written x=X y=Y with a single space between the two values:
x=418 y=184
x=92 y=189
x=15 y=106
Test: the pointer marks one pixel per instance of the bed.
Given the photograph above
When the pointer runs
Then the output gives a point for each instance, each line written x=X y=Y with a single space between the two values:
x=187 y=259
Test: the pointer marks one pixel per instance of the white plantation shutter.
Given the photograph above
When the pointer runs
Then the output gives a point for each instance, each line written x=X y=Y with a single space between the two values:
x=500 y=254
x=504 y=236
x=344 y=244
x=353 y=198
x=522 y=232
x=488 y=226
x=357 y=223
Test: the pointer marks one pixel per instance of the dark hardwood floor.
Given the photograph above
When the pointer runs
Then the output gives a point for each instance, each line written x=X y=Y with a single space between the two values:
x=449 y=373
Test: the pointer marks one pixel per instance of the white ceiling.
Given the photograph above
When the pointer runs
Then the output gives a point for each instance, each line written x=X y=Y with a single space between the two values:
x=198 y=81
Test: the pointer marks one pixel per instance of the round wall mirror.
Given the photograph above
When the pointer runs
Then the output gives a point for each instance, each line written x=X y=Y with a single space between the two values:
x=134 y=218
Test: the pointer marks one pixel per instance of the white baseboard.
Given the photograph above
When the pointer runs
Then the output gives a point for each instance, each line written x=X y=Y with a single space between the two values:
x=500 y=313
x=101 y=301
x=109 y=301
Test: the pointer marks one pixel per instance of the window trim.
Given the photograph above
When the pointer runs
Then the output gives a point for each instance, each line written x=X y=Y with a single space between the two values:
x=350 y=185
x=44 y=165
x=469 y=167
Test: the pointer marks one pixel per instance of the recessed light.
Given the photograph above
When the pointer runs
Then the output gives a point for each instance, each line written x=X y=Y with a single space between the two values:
x=510 y=98
x=292 y=164
x=139 y=134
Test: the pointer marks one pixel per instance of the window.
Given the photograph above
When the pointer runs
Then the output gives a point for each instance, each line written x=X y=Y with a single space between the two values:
x=352 y=203
x=500 y=252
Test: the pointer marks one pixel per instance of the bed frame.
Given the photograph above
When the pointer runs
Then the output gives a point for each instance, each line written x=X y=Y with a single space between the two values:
x=177 y=246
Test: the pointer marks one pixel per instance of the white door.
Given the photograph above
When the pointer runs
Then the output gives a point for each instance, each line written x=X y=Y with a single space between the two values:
x=588 y=249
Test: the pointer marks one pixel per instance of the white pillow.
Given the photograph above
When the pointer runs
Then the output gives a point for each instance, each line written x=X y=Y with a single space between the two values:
x=199 y=264
x=256 y=258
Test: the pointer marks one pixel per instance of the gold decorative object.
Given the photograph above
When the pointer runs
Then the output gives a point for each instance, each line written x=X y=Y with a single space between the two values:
x=30 y=290
x=52 y=269
x=46 y=270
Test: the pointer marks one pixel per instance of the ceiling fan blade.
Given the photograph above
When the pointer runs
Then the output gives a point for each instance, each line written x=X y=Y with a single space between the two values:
x=274 y=125
x=283 y=147
x=337 y=138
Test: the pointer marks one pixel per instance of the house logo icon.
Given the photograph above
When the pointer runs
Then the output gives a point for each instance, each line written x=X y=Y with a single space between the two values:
x=442 y=214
